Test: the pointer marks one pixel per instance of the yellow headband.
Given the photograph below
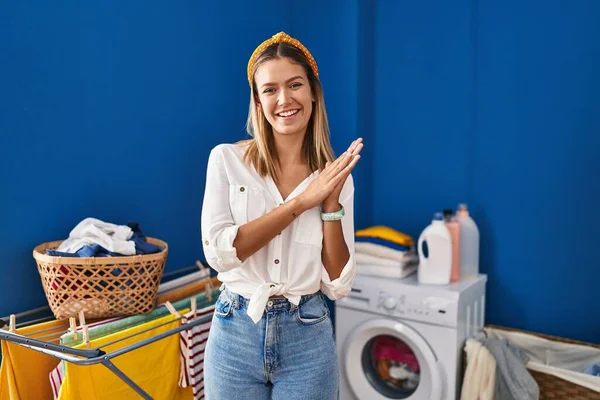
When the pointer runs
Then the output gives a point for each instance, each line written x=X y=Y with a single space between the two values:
x=281 y=37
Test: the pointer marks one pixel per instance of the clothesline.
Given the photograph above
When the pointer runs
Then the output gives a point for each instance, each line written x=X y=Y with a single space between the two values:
x=50 y=342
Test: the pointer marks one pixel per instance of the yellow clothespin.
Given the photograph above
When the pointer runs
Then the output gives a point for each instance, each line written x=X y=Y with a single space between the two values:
x=84 y=328
x=193 y=307
x=73 y=324
x=13 y=323
x=172 y=309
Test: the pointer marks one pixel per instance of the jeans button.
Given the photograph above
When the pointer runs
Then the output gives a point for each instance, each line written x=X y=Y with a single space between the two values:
x=270 y=304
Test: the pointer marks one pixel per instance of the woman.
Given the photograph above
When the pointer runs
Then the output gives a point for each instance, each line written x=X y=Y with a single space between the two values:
x=277 y=224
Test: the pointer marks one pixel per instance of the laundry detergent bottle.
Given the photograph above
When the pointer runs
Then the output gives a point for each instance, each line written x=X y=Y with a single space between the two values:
x=469 y=243
x=454 y=228
x=436 y=267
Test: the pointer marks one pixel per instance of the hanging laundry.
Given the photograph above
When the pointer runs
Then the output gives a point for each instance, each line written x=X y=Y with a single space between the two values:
x=193 y=342
x=155 y=367
x=109 y=326
x=480 y=375
x=22 y=366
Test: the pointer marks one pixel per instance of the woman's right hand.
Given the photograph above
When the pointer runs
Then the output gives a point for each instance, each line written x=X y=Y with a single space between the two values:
x=334 y=173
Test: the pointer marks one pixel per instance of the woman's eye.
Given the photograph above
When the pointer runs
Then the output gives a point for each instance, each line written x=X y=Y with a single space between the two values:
x=295 y=85
x=270 y=90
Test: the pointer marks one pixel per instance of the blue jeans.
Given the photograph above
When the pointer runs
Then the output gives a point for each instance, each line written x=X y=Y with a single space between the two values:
x=289 y=354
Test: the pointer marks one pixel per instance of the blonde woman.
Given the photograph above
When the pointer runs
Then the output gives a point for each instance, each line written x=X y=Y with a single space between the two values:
x=277 y=225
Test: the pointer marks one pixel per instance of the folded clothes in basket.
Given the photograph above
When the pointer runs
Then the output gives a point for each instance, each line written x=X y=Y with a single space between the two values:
x=95 y=238
x=593 y=370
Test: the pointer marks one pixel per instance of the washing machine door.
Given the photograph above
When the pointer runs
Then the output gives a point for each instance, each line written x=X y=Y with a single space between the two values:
x=387 y=359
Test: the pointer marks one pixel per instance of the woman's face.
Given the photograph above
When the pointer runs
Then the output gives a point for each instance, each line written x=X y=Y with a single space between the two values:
x=284 y=95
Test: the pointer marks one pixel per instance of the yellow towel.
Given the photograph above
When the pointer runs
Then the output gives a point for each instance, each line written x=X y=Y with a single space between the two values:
x=154 y=367
x=386 y=233
x=24 y=372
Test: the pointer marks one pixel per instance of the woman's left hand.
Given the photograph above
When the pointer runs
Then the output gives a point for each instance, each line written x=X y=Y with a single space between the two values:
x=332 y=202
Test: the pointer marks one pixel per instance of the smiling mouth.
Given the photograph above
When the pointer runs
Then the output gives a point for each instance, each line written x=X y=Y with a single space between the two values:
x=287 y=114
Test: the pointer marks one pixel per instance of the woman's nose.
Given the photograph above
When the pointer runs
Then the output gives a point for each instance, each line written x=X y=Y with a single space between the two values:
x=284 y=97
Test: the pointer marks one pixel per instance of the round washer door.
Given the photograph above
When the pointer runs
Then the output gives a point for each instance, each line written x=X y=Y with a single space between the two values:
x=387 y=359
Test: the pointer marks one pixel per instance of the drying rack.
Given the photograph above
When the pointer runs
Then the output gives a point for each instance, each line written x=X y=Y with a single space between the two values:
x=98 y=356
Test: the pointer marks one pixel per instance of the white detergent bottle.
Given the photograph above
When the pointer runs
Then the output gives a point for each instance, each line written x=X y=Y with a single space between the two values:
x=469 y=243
x=435 y=269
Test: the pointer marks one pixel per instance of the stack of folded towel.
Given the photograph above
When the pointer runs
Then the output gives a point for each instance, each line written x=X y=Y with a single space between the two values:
x=385 y=252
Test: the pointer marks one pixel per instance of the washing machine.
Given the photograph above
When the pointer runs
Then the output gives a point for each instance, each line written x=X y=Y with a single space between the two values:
x=397 y=339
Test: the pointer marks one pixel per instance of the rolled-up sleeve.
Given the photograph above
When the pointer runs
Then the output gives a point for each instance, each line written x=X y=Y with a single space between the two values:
x=341 y=286
x=217 y=225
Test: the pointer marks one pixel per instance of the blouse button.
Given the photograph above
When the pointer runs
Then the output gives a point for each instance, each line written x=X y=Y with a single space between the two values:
x=276 y=261
x=242 y=189
x=206 y=242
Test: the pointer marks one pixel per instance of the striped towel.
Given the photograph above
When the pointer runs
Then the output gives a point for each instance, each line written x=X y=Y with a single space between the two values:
x=57 y=376
x=192 y=345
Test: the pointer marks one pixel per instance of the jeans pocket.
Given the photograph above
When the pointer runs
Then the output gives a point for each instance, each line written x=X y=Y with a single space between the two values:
x=223 y=306
x=312 y=311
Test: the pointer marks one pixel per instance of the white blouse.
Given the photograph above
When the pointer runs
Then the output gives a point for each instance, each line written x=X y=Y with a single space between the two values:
x=289 y=265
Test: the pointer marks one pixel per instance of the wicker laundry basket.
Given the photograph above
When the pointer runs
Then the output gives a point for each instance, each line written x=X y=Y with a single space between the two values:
x=552 y=387
x=100 y=286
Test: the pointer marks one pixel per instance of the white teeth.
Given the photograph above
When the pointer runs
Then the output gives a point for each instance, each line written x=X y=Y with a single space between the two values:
x=287 y=113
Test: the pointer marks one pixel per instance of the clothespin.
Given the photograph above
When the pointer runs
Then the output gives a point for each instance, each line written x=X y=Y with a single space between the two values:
x=208 y=288
x=202 y=268
x=73 y=324
x=172 y=309
x=81 y=318
x=84 y=328
x=193 y=307
x=13 y=323
x=86 y=337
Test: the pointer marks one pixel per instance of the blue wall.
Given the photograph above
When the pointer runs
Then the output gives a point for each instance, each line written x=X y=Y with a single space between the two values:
x=109 y=111
x=497 y=106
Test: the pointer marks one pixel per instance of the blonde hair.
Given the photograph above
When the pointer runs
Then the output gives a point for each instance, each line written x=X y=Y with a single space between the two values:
x=261 y=152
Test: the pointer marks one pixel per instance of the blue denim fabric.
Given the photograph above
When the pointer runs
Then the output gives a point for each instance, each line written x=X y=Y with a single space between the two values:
x=289 y=354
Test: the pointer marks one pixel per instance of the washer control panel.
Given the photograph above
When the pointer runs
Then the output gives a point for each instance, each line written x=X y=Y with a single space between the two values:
x=419 y=307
